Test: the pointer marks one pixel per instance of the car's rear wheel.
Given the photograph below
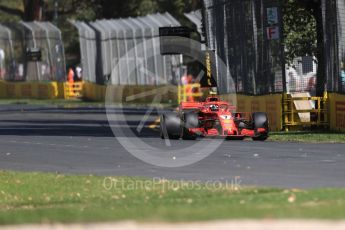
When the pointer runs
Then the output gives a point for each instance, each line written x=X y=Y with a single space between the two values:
x=190 y=120
x=170 y=126
x=260 y=138
x=260 y=120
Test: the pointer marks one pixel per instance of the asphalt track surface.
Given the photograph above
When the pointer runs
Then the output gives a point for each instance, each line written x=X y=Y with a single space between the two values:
x=80 y=141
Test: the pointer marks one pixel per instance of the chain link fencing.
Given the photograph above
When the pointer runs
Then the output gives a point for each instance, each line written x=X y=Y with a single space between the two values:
x=31 y=51
x=301 y=75
x=246 y=35
x=336 y=18
x=6 y=52
x=105 y=44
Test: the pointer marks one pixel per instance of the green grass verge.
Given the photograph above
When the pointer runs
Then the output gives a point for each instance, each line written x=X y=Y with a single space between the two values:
x=40 y=197
x=317 y=137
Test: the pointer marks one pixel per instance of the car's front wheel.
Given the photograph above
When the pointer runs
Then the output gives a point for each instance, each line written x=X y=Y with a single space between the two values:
x=260 y=120
x=170 y=126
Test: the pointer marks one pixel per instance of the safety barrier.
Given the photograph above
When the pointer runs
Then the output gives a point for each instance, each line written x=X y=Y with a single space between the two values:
x=87 y=90
x=337 y=111
x=73 y=90
x=29 y=90
x=94 y=92
x=40 y=90
x=270 y=104
x=130 y=93
x=188 y=93
x=327 y=111
x=305 y=111
x=2 y=89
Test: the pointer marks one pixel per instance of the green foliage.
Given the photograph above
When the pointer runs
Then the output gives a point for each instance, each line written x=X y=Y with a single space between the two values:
x=300 y=32
x=11 y=4
x=89 y=10
x=147 y=7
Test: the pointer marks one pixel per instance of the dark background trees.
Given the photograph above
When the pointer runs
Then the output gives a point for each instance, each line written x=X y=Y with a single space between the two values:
x=302 y=20
x=303 y=34
x=88 y=10
x=29 y=10
x=300 y=37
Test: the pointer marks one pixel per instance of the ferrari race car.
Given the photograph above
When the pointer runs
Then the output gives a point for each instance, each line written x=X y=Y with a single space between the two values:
x=212 y=118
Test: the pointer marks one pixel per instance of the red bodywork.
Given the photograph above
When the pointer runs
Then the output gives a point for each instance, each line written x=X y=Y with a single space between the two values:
x=221 y=121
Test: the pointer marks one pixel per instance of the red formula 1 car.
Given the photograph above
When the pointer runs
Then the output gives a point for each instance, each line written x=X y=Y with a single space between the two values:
x=212 y=118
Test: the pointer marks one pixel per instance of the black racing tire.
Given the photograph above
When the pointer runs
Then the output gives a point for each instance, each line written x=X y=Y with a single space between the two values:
x=190 y=120
x=260 y=120
x=170 y=126
x=260 y=138
x=161 y=126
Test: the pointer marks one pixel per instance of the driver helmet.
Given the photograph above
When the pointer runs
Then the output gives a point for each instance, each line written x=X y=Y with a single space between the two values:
x=214 y=107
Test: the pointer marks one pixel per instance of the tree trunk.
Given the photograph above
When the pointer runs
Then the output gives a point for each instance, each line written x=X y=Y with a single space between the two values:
x=321 y=73
x=33 y=10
